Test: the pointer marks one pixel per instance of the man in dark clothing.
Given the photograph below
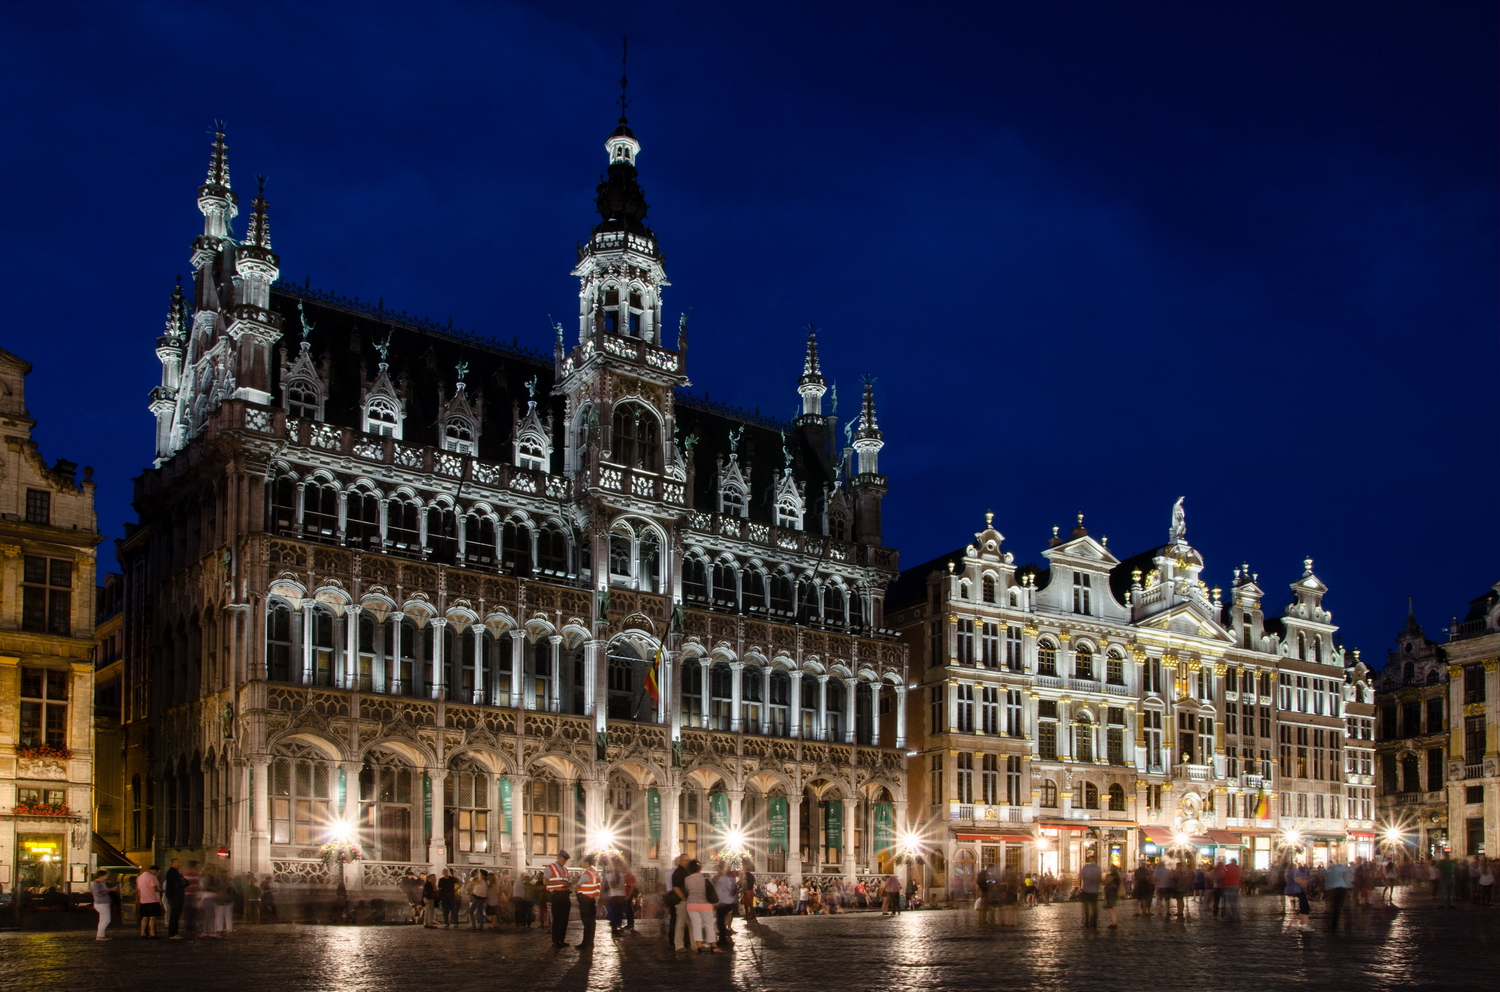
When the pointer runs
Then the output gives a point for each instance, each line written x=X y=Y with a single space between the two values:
x=447 y=888
x=175 y=886
x=559 y=885
x=675 y=896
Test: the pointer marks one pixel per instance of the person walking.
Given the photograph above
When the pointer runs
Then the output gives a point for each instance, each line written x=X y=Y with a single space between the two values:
x=676 y=900
x=1182 y=883
x=747 y=890
x=1337 y=881
x=1113 y=883
x=1486 y=881
x=103 y=902
x=520 y=900
x=589 y=884
x=430 y=902
x=1089 y=878
x=411 y=887
x=147 y=901
x=700 y=907
x=1143 y=888
x=448 y=886
x=1447 y=872
x=267 y=901
x=176 y=891
x=559 y=886
x=1163 y=881
x=892 y=889
x=1389 y=891
x=479 y=894
x=614 y=889
x=191 y=898
x=1297 y=881
x=726 y=889
x=1232 y=878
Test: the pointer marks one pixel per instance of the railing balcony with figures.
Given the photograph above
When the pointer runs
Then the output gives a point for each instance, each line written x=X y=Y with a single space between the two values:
x=964 y=814
x=1193 y=773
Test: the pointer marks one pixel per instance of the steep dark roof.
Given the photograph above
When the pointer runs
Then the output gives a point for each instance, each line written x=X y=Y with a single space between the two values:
x=1480 y=608
x=911 y=585
x=1119 y=576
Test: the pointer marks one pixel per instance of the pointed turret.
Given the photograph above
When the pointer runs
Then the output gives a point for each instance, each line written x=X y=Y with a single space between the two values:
x=257 y=264
x=868 y=439
x=170 y=348
x=812 y=385
x=216 y=199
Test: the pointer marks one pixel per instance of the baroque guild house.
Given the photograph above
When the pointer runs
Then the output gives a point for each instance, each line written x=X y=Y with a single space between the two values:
x=478 y=603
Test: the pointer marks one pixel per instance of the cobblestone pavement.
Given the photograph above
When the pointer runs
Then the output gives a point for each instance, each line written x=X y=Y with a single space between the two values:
x=1418 y=947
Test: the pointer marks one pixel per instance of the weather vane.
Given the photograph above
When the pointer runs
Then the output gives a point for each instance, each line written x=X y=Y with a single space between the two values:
x=624 y=80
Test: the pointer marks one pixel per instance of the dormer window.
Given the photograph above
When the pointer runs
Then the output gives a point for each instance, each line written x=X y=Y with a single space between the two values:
x=458 y=436
x=529 y=455
x=838 y=526
x=302 y=401
x=612 y=310
x=382 y=418
x=635 y=314
x=788 y=514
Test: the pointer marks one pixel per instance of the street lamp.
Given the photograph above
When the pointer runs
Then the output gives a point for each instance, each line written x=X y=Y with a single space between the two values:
x=341 y=849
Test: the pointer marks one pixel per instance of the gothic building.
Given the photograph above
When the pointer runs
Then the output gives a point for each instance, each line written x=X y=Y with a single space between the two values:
x=48 y=537
x=478 y=602
x=1440 y=738
x=1122 y=708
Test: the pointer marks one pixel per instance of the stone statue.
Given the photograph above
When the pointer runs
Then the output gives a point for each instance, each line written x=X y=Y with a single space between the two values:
x=307 y=325
x=1179 y=523
x=786 y=450
x=463 y=370
x=734 y=439
x=531 y=391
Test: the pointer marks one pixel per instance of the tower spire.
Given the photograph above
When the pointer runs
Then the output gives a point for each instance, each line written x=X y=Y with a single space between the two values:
x=868 y=439
x=216 y=200
x=257 y=265
x=624 y=78
x=259 y=233
x=812 y=385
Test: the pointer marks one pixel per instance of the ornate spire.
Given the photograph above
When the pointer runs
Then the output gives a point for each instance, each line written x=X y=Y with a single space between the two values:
x=868 y=439
x=812 y=385
x=259 y=233
x=620 y=199
x=176 y=330
x=216 y=200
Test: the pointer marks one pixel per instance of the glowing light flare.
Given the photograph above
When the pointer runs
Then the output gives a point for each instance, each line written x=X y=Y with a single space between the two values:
x=734 y=840
x=340 y=831
x=602 y=840
x=910 y=842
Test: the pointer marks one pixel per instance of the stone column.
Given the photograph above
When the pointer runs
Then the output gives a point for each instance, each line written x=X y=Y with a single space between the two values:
x=436 y=688
x=795 y=706
x=705 y=665
x=479 y=694
x=349 y=770
x=851 y=811
x=519 y=784
x=765 y=700
x=260 y=815
x=351 y=647
x=378 y=672
x=851 y=687
x=520 y=687
x=736 y=806
x=1064 y=729
x=874 y=713
x=554 y=685
x=901 y=716
x=307 y=642
x=666 y=850
x=437 y=842
x=591 y=688
x=820 y=732
x=736 y=696
x=593 y=814
x=794 y=838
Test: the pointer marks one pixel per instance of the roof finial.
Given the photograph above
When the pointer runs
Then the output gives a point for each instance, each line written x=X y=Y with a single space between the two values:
x=259 y=234
x=624 y=79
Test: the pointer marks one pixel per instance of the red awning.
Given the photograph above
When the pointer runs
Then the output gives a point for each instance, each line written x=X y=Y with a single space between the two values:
x=1362 y=833
x=1225 y=838
x=995 y=838
x=1158 y=835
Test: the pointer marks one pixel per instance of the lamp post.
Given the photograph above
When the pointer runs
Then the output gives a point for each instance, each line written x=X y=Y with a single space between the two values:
x=911 y=854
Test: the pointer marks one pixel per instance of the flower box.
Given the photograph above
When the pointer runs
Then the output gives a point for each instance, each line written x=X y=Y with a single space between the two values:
x=55 y=751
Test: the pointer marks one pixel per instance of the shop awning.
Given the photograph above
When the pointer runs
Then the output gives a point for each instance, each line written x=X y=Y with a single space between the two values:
x=1225 y=838
x=109 y=855
x=1158 y=835
x=1366 y=834
x=995 y=838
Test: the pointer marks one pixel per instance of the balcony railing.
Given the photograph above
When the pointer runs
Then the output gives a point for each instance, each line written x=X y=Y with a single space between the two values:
x=1193 y=773
x=1463 y=629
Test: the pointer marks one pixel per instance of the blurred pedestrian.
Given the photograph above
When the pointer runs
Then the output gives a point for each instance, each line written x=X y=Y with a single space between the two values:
x=520 y=900
x=1089 y=878
x=589 y=885
x=103 y=903
x=176 y=891
x=700 y=907
x=148 y=901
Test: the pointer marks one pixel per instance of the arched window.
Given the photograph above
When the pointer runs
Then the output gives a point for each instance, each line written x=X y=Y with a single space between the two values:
x=1083 y=741
x=385 y=807
x=362 y=519
x=725 y=591
x=837 y=701
x=807 y=603
x=781 y=704
x=479 y=540
x=989 y=589
x=637 y=438
x=734 y=502
x=1090 y=796
x=1116 y=799
x=442 y=533
x=1015 y=598
x=458 y=436
x=302 y=400
x=1046 y=658
x=1049 y=793
x=1409 y=673
x=750 y=699
x=552 y=550
x=721 y=690
x=403 y=525
x=694 y=579
x=838 y=524
x=834 y=606
x=530 y=455
x=1115 y=665
x=466 y=797
x=964 y=591
x=609 y=303
x=515 y=547
x=781 y=594
x=544 y=808
x=692 y=692
x=381 y=417
x=279 y=649
x=648 y=577
x=284 y=504
x=300 y=799
x=320 y=510
x=326 y=644
x=1083 y=662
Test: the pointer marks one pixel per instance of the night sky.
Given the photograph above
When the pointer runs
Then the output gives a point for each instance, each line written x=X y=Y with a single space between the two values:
x=1098 y=256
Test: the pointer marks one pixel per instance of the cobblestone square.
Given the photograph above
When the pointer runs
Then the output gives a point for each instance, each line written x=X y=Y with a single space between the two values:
x=1416 y=947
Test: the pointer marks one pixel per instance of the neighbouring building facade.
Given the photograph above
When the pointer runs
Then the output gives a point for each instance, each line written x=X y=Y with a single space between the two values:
x=48 y=539
x=480 y=603
x=1122 y=708
x=1440 y=737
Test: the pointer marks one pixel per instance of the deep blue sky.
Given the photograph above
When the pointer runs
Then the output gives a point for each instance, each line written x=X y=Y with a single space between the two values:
x=1097 y=255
